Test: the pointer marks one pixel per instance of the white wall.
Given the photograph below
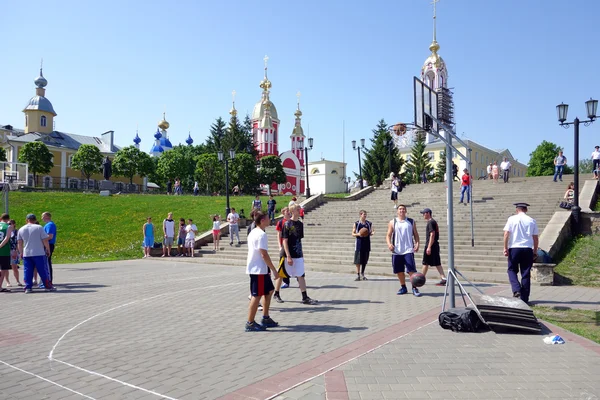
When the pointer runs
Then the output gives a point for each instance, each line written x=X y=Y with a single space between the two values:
x=324 y=181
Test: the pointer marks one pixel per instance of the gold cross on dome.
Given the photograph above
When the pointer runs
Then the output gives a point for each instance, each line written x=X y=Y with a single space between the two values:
x=298 y=97
x=233 y=96
x=266 y=59
x=434 y=3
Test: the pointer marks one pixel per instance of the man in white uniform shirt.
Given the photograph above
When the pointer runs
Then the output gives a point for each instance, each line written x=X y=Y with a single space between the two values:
x=520 y=246
x=258 y=265
x=596 y=161
x=234 y=229
x=505 y=167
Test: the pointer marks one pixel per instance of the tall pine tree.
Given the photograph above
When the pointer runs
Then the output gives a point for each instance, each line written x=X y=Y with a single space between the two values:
x=214 y=143
x=419 y=160
x=376 y=160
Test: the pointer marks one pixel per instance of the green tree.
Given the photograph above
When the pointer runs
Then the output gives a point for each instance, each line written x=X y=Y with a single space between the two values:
x=541 y=161
x=88 y=160
x=37 y=156
x=214 y=142
x=236 y=137
x=271 y=171
x=419 y=160
x=172 y=164
x=210 y=173
x=3 y=154
x=188 y=169
x=131 y=161
x=376 y=160
x=242 y=171
x=586 y=166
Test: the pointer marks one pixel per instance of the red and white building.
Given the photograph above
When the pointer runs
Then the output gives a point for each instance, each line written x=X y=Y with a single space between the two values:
x=265 y=128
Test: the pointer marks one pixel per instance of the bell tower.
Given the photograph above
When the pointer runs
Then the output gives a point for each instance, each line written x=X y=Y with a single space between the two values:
x=39 y=113
x=265 y=124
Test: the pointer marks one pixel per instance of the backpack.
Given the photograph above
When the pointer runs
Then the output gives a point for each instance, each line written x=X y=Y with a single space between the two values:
x=460 y=320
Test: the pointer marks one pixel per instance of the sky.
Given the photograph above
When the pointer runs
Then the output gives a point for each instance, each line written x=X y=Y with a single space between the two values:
x=117 y=65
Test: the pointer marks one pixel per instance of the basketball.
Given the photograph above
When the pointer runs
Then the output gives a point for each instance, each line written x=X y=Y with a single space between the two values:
x=364 y=232
x=417 y=280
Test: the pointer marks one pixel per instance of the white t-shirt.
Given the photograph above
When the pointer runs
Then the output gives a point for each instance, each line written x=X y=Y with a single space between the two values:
x=522 y=228
x=403 y=236
x=504 y=165
x=291 y=203
x=596 y=155
x=255 y=265
x=216 y=225
x=489 y=169
x=190 y=229
x=233 y=218
x=395 y=186
x=33 y=236
x=169 y=227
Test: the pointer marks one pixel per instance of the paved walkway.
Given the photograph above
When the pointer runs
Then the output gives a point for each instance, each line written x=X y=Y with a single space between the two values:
x=148 y=329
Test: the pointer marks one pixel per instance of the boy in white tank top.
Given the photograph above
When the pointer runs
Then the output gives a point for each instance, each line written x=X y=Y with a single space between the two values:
x=403 y=241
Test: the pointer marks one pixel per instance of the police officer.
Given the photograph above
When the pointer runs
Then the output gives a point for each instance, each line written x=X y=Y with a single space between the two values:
x=520 y=246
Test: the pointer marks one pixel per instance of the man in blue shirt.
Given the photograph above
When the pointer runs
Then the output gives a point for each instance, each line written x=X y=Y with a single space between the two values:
x=50 y=229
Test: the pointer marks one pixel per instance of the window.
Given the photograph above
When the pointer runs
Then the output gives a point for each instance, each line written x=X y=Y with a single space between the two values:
x=476 y=155
x=454 y=154
x=47 y=182
x=486 y=160
x=431 y=155
x=43 y=120
x=73 y=183
x=476 y=172
x=315 y=171
x=408 y=158
x=26 y=120
x=334 y=172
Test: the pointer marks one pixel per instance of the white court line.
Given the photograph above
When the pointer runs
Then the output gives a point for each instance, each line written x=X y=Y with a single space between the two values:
x=347 y=361
x=116 y=380
x=133 y=302
x=46 y=380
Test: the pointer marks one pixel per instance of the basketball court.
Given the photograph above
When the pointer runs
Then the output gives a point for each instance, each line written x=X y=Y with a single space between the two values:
x=175 y=330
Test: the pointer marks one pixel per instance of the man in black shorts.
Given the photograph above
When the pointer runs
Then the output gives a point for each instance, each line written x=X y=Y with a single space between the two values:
x=431 y=255
x=258 y=265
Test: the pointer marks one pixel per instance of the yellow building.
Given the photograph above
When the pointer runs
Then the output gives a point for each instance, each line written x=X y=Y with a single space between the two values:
x=39 y=126
x=481 y=157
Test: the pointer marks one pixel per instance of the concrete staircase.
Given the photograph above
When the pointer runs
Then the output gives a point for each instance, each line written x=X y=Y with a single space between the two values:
x=329 y=246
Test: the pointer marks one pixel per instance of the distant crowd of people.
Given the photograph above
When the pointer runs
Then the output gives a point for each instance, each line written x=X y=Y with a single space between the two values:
x=33 y=244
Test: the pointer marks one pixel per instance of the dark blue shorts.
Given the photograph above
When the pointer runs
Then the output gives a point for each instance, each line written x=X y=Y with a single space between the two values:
x=261 y=285
x=403 y=263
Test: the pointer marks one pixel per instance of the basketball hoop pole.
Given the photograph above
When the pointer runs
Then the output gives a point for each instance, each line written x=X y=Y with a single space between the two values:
x=450 y=219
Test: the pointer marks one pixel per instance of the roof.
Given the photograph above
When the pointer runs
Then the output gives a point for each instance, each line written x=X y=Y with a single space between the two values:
x=259 y=111
x=63 y=140
x=40 y=103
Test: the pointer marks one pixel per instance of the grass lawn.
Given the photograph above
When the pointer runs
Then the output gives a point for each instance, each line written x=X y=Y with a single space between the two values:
x=94 y=228
x=580 y=262
x=338 y=195
x=584 y=323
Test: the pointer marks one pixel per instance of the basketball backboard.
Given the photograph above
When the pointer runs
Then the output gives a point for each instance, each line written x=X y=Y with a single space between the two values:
x=426 y=104
x=15 y=173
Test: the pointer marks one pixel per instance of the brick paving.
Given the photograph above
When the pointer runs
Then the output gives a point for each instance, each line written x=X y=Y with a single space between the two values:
x=148 y=329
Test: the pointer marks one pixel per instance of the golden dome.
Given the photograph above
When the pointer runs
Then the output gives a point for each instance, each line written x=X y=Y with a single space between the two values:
x=233 y=111
x=434 y=46
x=163 y=125
x=265 y=84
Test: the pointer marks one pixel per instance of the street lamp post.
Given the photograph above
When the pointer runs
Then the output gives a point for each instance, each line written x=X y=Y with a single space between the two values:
x=562 y=110
x=222 y=158
x=306 y=149
x=358 y=149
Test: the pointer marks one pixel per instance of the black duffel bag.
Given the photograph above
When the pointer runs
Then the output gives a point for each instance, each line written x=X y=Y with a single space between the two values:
x=460 y=320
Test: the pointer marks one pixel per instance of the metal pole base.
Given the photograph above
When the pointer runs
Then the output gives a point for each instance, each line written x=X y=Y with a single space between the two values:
x=307 y=193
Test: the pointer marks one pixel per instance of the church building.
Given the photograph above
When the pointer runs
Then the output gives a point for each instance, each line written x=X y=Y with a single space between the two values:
x=39 y=126
x=265 y=131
